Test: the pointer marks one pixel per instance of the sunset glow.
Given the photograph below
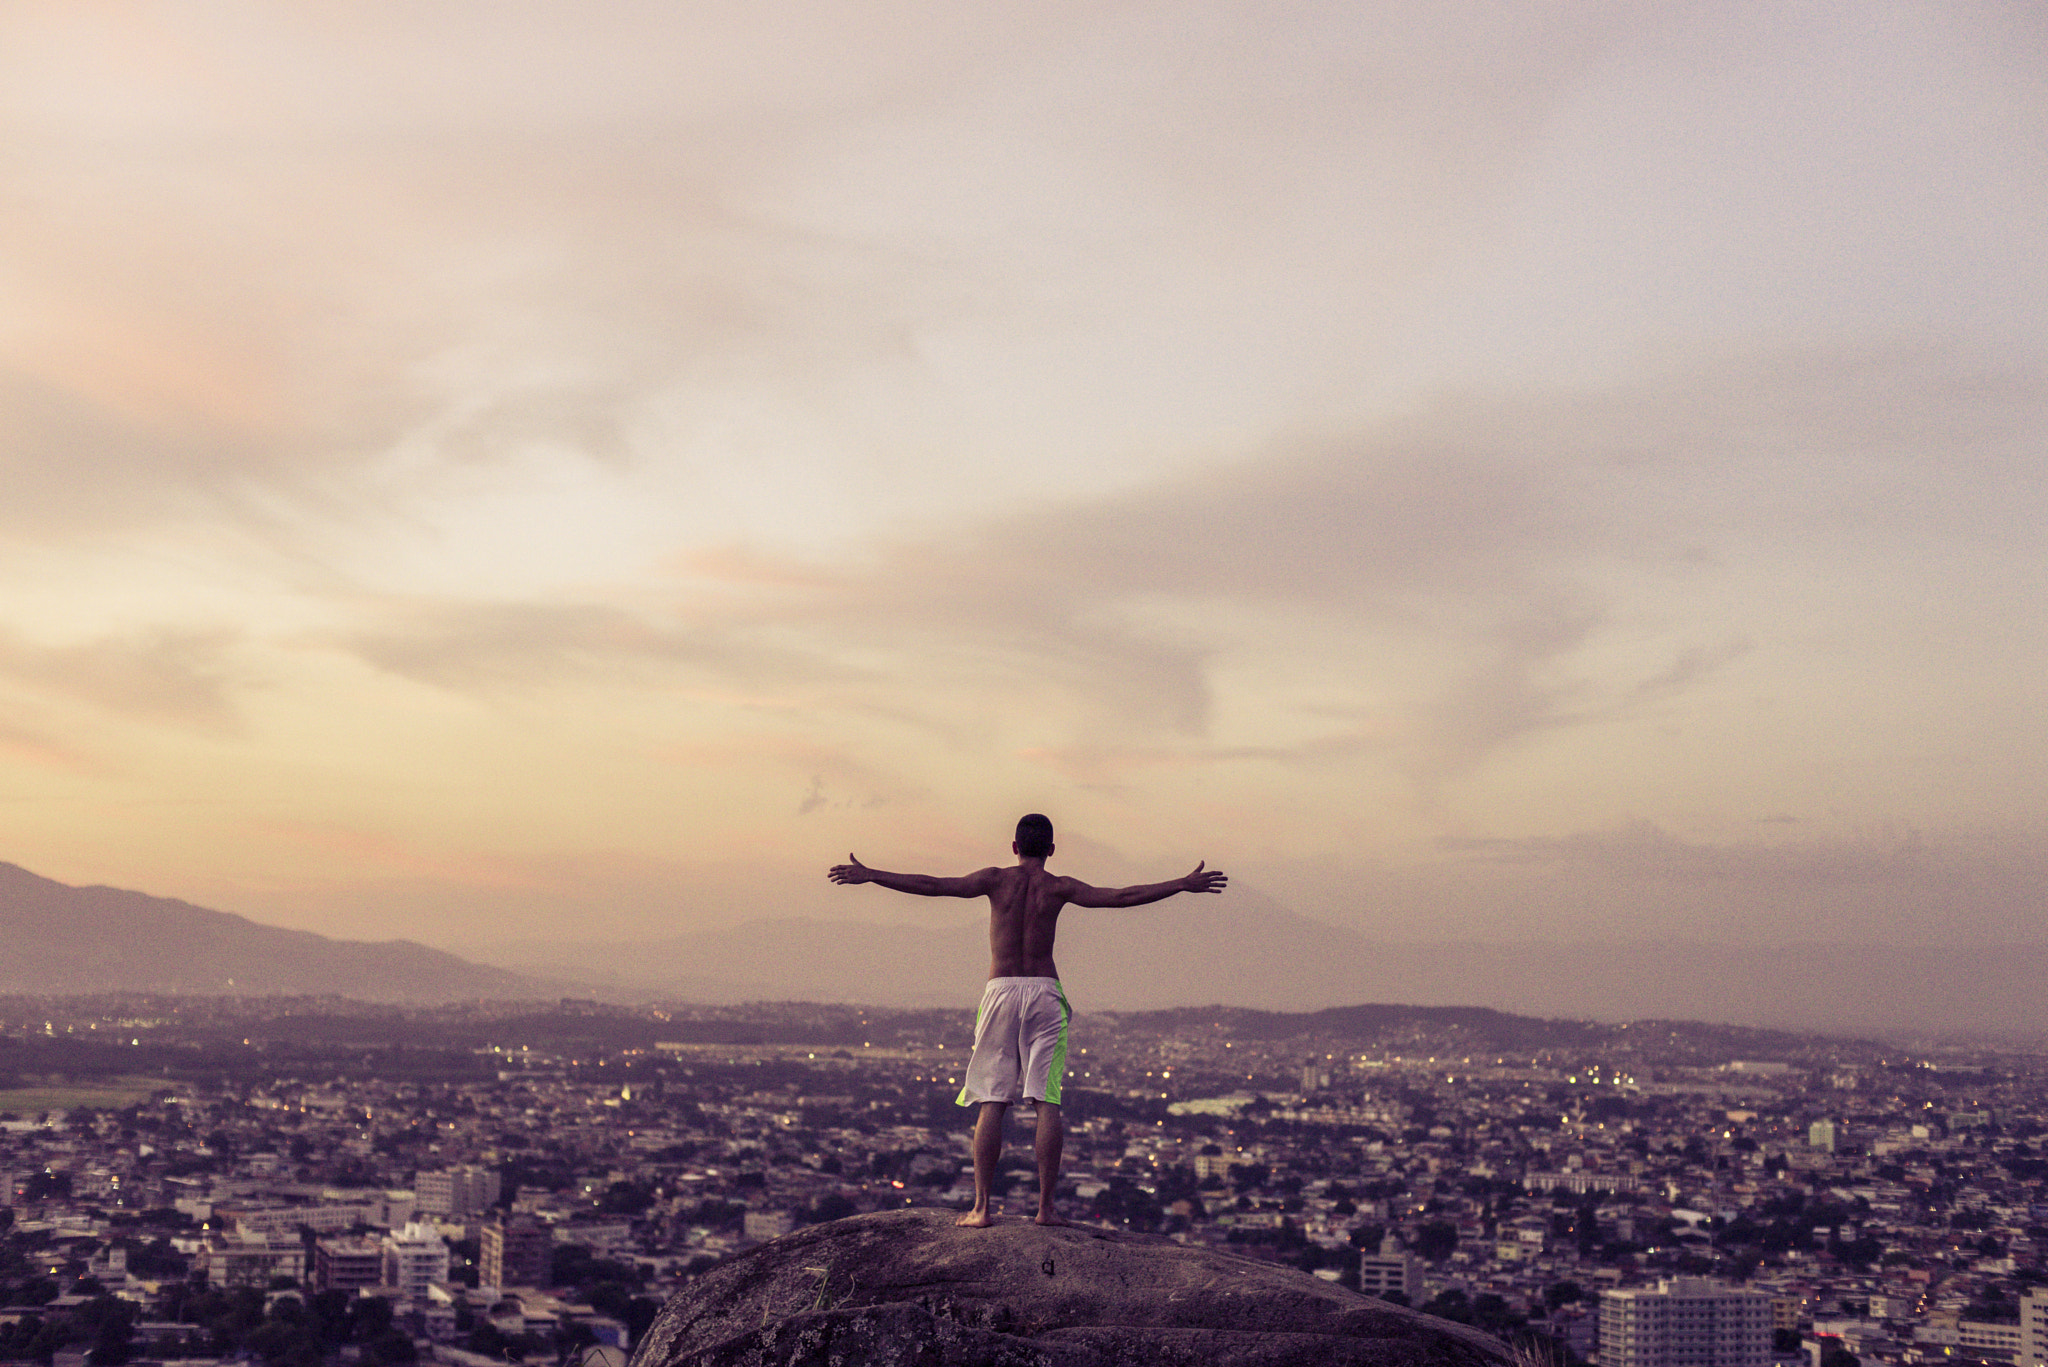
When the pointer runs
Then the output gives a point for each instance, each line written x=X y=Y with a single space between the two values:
x=1500 y=472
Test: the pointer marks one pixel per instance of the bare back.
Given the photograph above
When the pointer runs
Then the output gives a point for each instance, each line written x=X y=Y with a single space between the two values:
x=1024 y=916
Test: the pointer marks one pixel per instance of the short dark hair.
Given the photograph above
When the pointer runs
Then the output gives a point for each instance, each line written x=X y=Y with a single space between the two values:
x=1034 y=836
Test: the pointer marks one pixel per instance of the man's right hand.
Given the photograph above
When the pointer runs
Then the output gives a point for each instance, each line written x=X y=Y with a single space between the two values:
x=1213 y=880
x=856 y=872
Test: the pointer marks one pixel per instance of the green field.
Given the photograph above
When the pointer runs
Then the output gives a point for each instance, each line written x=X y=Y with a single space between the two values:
x=112 y=1095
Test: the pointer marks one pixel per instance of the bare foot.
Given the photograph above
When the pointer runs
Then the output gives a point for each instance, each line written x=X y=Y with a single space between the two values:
x=1051 y=1217
x=976 y=1219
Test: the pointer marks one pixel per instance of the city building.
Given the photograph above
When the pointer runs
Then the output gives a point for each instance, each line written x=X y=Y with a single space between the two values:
x=1992 y=1338
x=1509 y=1170
x=1580 y=1181
x=347 y=1264
x=1393 y=1268
x=515 y=1251
x=236 y=1259
x=274 y=1220
x=1685 y=1322
x=415 y=1257
x=456 y=1192
x=2033 y=1347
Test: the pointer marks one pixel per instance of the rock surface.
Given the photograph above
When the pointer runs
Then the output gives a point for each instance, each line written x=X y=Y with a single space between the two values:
x=906 y=1288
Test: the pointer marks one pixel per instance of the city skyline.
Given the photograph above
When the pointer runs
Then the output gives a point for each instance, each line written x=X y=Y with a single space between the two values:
x=1564 y=1185
x=1502 y=475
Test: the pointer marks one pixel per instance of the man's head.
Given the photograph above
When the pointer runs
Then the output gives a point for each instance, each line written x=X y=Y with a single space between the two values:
x=1034 y=837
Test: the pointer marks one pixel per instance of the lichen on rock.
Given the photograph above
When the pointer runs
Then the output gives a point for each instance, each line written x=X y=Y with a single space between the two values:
x=907 y=1288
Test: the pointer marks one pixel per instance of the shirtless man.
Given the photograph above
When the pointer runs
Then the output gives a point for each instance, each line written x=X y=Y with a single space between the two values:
x=1020 y=1032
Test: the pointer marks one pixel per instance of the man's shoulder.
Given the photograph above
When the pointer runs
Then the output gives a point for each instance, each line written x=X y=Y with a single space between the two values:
x=1035 y=879
x=1061 y=885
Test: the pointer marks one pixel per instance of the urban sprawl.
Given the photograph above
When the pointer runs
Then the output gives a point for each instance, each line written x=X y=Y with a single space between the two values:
x=318 y=1182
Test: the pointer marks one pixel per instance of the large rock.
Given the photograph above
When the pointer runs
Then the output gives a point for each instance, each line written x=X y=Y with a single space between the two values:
x=906 y=1288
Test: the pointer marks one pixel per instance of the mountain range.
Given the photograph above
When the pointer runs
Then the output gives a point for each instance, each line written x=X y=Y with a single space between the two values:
x=56 y=940
x=1243 y=949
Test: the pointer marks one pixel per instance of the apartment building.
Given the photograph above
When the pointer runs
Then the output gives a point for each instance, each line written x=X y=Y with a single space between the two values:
x=1685 y=1322
x=415 y=1257
x=516 y=1251
x=456 y=1192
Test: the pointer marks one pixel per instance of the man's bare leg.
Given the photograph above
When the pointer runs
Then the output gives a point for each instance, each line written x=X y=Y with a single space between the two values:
x=988 y=1147
x=1051 y=1139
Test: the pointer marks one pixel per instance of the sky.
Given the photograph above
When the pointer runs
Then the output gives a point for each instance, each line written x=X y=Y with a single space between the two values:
x=1500 y=471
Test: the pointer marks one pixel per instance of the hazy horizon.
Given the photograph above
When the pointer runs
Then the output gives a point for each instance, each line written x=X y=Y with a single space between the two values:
x=1497 y=474
x=1159 y=957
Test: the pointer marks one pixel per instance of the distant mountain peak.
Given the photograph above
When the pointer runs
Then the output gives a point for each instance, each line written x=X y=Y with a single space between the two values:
x=62 y=939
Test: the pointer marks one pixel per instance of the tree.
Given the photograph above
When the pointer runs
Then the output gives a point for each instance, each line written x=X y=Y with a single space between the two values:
x=112 y=1324
x=626 y=1198
x=1436 y=1240
x=1586 y=1229
x=44 y=1186
x=1859 y=1252
x=486 y=1339
x=1123 y=1202
x=15 y=1338
x=1491 y=1313
x=390 y=1348
x=1450 y=1304
x=367 y=1319
x=832 y=1205
x=157 y=1260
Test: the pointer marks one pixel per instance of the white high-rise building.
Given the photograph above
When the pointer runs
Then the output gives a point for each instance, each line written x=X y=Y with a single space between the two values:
x=414 y=1258
x=1685 y=1322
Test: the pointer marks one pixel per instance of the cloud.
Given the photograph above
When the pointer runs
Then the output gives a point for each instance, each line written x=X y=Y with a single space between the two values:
x=1507 y=536
x=182 y=677
x=1329 y=418
x=474 y=646
x=1497 y=551
x=77 y=460
x=813 y=799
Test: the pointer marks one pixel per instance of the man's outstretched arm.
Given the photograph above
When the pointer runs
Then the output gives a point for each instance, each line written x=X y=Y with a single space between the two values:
x=975 y=884
x=1203 y=879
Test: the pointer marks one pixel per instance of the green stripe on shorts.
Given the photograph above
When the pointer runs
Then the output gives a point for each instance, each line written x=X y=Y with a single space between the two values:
x=1058 y=1072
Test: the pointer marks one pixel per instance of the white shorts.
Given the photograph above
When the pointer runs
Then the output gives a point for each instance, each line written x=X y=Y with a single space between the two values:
x=1020 y=1042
